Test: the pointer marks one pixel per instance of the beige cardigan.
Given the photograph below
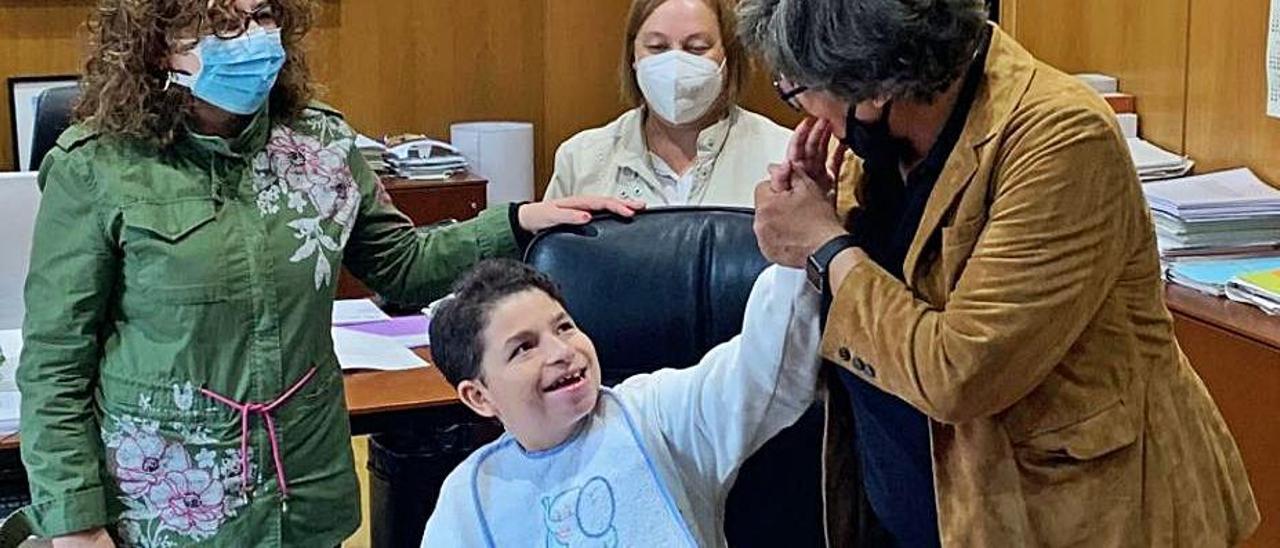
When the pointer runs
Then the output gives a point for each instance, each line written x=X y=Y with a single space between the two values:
x=613 y=160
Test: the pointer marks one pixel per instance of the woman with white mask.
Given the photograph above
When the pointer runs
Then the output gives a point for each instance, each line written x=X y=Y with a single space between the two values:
x=686 y=142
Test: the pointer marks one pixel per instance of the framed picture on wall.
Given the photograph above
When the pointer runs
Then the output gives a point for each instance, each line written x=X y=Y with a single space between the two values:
x=24 y=97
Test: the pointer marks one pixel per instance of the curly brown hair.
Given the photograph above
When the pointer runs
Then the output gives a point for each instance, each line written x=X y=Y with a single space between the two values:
x=125 y=91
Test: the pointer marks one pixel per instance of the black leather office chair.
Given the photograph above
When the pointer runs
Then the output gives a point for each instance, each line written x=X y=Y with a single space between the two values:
x=663 y=289
x=53 y=116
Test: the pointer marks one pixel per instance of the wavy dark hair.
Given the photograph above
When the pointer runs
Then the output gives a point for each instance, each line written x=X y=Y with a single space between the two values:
x=125 y=91
x=864 y=49
x=458 y=324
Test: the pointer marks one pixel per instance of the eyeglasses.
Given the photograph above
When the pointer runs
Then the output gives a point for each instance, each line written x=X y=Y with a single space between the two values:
x=789 y=96
x=231 y=29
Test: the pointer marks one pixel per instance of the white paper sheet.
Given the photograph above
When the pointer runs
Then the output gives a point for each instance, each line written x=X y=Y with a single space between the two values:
x=10 y=411
x=11 y=347
x=10 y=399
x=19 y=201
x=354 y=311
x=356 y=350
x=1273 y=62
x=1147 y=156
x=1236 y=191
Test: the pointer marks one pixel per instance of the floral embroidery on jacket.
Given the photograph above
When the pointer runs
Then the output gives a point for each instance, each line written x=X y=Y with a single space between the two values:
x=170 y=498
x=308 y=170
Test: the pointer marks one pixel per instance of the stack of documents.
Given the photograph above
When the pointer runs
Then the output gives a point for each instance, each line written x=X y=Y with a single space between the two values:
x=425 y=159
x=1261 y=289
x=1154 y=163
x=1229 y=212
x=10 y=399
x=374 y=152
x=366 y=338
x=1101 y=83
x=409 y=331
x=1213 y=275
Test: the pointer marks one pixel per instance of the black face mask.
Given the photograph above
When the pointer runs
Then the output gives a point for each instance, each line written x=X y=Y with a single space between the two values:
x=870 y=141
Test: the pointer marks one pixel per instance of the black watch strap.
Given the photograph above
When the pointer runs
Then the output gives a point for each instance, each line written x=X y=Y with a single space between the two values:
x=818 y=265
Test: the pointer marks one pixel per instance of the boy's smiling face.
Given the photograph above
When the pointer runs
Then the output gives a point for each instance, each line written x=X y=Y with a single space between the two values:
x=539 y=374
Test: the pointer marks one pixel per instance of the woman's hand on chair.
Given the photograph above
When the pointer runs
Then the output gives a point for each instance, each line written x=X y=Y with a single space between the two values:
x=574 y=210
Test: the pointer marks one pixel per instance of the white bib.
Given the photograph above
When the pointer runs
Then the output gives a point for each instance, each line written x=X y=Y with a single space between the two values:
x=597 y=489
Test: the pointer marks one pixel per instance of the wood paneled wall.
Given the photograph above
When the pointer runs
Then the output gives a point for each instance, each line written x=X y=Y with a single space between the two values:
x=37 y=38
x=1197 y=67
x=420 y=65
x=416 y=65
x=1227 y=124
x=583 y=51
x=1143 y=42
x=407 y=65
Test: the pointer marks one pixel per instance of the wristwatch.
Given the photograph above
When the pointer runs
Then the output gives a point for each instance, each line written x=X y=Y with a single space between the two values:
x=820 y=262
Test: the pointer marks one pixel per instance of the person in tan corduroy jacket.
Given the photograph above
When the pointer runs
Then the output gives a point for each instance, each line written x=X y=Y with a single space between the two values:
x=990 y=264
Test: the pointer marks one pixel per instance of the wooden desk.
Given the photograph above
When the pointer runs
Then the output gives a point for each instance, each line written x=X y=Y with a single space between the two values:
x=371 y=392
x=1236 y=350
x=460 y=197
x=377 y=400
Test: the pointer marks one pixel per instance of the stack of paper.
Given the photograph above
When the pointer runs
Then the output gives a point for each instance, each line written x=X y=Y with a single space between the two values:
x=355 y=311
x=1212 y=276
x=10 y=398
x=1101 y=83
x=1154 y=163
x=364 y=337
x=1261 y=289
x=408 y=331
x=425 y=159
x=356 y=350
x=374 y=152
x=1229 y=212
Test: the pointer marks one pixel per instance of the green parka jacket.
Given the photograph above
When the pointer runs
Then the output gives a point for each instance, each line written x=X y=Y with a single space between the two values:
x=178 y=316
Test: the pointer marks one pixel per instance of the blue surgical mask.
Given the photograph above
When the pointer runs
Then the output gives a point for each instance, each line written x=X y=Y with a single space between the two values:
x=236 y=75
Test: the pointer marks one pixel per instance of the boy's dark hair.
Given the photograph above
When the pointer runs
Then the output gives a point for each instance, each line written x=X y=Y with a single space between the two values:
x=458 y=324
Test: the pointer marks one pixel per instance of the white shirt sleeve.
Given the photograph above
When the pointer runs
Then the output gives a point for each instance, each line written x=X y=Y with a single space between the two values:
x=717 y=413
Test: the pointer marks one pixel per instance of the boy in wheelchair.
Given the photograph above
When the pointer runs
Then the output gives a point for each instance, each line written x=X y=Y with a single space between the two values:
x=646 y=463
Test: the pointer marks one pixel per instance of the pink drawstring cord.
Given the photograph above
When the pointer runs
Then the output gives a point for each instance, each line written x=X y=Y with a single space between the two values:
x=264 y=409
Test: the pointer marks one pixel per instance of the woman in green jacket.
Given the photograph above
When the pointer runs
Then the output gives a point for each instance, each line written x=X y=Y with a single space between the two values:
x=178 y=379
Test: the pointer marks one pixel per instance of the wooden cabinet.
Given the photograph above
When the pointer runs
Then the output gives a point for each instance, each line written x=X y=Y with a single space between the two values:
x=1236 y=350
x=426 y=202
x=459 y=198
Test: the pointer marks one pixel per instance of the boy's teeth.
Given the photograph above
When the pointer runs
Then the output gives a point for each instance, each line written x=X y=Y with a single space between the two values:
x=565 y=381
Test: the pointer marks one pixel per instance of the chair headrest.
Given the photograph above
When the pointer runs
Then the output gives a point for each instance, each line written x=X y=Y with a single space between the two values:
x=53 y=116
x=658 y=290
